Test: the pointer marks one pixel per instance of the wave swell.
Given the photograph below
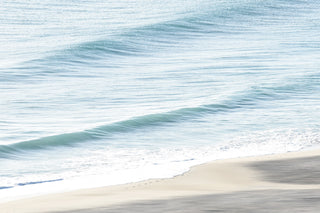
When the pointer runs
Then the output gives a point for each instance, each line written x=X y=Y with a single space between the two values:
x=249 y=99
x=210 y=20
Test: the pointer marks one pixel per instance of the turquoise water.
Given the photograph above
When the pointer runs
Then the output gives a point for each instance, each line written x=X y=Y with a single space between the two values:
x=99 y=93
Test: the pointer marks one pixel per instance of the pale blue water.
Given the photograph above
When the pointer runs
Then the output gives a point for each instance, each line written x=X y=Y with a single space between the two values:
x=97 y=93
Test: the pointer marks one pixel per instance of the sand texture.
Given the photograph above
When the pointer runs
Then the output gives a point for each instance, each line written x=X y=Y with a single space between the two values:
x=276 y=183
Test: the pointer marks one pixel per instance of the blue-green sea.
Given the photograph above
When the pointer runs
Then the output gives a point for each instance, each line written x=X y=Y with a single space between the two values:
x=96 y=93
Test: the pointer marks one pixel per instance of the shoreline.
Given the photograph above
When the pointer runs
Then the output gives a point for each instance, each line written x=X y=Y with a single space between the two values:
x=220 y=177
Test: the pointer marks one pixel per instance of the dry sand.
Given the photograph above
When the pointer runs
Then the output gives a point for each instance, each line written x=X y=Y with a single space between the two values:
x=275 y=183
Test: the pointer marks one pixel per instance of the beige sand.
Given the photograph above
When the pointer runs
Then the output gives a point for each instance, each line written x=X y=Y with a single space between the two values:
x=218 y=177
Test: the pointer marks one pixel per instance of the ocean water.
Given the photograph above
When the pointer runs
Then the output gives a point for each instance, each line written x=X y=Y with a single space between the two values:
x=96 y=93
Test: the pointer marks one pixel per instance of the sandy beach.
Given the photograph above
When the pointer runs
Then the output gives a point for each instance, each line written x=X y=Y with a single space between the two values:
x=275 y=183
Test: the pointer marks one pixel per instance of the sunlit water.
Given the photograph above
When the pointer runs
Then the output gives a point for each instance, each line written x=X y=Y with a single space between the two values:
x=97 y=93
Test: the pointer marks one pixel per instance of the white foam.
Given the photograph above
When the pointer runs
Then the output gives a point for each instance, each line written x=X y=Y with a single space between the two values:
x=119 y=166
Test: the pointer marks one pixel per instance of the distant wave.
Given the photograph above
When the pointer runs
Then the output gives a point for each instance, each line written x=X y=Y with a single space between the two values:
x=233 y=18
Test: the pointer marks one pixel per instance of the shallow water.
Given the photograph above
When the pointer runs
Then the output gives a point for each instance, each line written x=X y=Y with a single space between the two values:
x=99 y=93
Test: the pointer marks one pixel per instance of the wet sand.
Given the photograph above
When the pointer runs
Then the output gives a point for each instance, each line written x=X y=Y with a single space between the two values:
x=275 y=183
